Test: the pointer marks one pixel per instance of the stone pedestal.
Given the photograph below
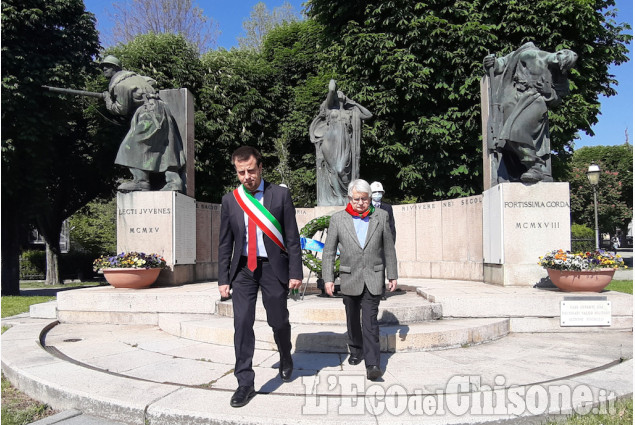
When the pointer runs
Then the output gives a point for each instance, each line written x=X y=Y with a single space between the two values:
x=163 y=223
x=181 y=104
x=520 y=224
x=488 y=164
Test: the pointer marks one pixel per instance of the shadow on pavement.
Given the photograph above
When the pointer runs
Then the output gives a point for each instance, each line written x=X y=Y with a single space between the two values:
x=51 y=292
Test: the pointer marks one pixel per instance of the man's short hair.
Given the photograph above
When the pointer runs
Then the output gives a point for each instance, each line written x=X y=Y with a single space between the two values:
x=243 y=153
x=359 y=185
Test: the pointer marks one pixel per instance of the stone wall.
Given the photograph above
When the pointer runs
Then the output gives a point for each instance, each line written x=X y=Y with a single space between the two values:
x=442 y=239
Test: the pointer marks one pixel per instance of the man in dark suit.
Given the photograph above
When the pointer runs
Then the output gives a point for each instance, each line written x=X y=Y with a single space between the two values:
x=377 y=193
x=259 y=248
x=367 y=257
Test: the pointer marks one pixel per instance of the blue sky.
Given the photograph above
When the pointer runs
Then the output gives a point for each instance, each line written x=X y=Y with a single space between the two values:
x=617 y=111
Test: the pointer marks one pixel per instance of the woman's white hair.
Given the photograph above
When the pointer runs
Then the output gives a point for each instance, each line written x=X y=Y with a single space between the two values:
x=359 y=185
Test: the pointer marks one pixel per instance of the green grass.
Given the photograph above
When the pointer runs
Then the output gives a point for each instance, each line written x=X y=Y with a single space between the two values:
x=20 y=409
x=38 y=284
x=16 y=305
x=625 y=286
x=12 y=305
x=623 y=415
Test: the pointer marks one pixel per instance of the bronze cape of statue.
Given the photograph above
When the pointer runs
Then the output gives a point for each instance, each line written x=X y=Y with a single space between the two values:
x=336 y=133
x=153 y=143
x=523 y=86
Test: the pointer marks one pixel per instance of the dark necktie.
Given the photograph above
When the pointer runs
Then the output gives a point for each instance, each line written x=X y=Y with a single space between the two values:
x=252 y=245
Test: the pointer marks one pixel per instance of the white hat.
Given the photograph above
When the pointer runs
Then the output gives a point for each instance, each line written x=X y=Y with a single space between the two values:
x=376 y=187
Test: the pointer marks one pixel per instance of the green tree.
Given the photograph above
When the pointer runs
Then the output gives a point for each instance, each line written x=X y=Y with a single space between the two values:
x=617 y=159
x=234 y=108
x=170 y=59
x=266 y=100
x=261 y=21
x=300 y=87
x=612 y=212
x=48 y=161
x=94 y=227
x=178 y=17
x=615 y=191
x=417 y=67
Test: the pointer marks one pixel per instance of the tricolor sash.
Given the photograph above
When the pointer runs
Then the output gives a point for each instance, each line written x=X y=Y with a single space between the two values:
x=260 y=215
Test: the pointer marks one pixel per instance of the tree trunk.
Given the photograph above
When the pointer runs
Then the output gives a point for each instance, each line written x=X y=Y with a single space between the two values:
x=10 y=237
x=50 y=227
x=52 y=265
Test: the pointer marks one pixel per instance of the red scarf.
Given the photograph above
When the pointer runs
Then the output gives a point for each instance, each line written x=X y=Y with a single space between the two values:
x=351 y=211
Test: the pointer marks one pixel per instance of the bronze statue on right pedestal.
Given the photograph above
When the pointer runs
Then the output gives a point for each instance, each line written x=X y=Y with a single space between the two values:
x=523 y=86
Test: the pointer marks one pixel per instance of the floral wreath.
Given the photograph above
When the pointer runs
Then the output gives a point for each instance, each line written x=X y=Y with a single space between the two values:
x=309 y=259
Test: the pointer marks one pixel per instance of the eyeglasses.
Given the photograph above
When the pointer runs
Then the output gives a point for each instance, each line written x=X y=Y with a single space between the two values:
x=362 y=200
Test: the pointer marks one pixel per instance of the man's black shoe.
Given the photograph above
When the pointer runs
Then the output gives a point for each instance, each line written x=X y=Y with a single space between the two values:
x=354 y=360
x=373 y=373
x=286 y=368
x=243 y=395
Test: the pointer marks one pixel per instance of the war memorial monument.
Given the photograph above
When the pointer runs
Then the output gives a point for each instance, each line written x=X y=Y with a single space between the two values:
x=472 y=335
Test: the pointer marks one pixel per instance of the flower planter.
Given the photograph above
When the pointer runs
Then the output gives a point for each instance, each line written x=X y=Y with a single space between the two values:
x=581 y=281
x=131 y=277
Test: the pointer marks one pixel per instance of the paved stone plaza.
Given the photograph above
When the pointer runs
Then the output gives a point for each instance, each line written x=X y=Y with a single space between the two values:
x=165 y=356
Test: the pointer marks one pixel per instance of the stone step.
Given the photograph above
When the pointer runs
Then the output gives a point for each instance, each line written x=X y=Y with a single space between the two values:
x=529 y=309
x=151 y=305
x=106 y=304
x=46 y=310
x=331 y=338
x=139 y=375
x=399 y=307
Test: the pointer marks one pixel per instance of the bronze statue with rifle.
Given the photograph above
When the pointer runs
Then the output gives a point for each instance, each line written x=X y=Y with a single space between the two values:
x=76 y=92
x=153 y=144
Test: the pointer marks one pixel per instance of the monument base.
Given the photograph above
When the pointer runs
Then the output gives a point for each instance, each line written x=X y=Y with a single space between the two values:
x=206 y=271
x=513 y=274
x=163 y=223
x=178 y=274
x=521 y=223
x=466 y=270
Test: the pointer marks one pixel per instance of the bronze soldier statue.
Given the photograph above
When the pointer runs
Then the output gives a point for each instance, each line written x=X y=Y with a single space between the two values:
x=153 y=143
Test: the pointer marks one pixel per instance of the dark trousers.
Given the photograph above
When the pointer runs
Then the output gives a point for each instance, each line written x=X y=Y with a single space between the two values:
x=274 y=298
x=363 y=335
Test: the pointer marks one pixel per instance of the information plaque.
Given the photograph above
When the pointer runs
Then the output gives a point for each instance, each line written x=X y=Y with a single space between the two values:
x=585 y=311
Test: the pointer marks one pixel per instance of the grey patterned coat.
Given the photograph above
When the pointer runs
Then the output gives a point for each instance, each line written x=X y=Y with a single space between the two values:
x=360 y=266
